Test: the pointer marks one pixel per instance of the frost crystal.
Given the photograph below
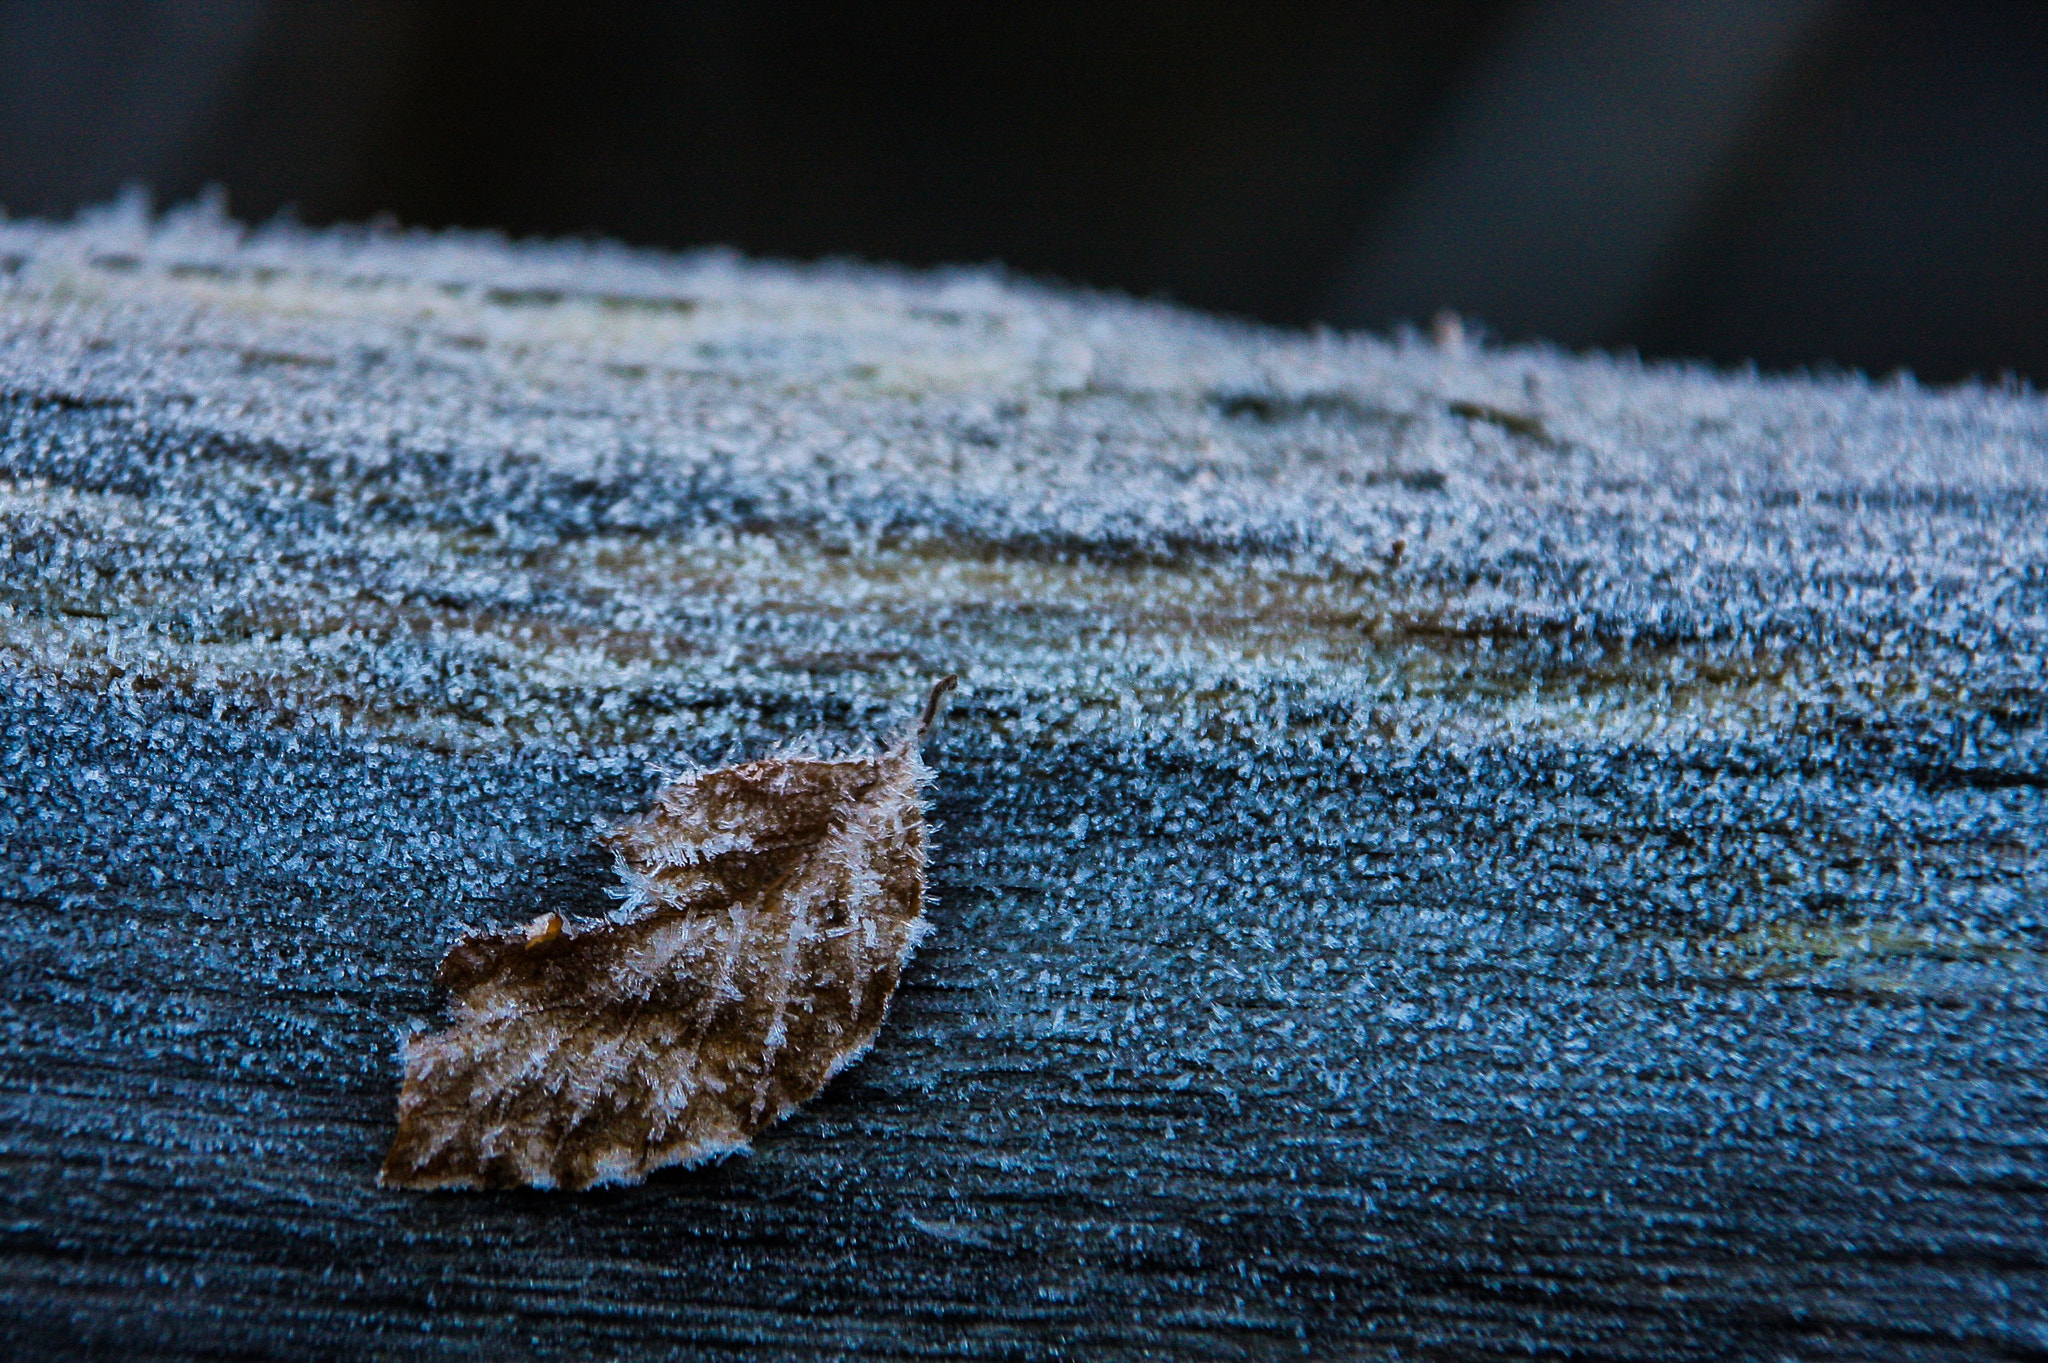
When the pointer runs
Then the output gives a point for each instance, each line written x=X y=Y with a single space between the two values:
x=781 y=900
x=1445 y=851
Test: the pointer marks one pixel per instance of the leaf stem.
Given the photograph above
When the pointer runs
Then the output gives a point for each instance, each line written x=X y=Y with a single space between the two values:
x=940 y=690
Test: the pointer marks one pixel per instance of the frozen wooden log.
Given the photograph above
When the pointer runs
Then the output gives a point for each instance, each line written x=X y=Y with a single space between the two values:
x=1440 y=851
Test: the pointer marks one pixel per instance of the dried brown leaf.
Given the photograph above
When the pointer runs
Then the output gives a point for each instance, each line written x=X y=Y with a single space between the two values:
x=776 y=904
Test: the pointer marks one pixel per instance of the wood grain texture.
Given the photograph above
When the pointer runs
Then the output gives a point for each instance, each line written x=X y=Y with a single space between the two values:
x=1443 y=852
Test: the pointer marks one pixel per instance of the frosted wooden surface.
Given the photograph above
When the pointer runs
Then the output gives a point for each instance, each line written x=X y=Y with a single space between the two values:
x=1439 y=852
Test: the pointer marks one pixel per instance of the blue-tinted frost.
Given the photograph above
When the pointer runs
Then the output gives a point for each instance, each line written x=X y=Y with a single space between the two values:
x=1465 y=849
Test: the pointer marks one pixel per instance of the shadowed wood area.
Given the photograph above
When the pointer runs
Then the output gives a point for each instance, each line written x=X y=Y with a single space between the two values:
x=1437 y=852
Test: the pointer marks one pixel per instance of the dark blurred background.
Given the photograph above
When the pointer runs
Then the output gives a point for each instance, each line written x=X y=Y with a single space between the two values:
x=1801 y=183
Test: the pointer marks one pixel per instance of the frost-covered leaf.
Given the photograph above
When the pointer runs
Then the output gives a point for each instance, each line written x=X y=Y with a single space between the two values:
x=777 y=902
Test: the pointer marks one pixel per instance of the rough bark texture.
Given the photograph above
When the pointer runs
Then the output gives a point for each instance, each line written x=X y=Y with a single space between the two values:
x=1438 y=852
